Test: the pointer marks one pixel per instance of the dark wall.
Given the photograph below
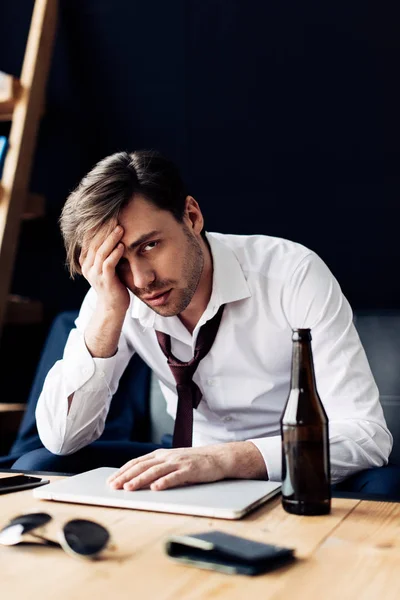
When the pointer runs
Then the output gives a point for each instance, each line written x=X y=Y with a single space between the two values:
x=282 y=115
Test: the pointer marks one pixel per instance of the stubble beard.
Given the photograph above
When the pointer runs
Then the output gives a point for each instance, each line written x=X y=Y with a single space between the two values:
x=192 y=271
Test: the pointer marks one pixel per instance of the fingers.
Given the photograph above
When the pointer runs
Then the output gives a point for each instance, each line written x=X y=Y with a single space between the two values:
x=110 y=263
x=89 y=248
x=146 y=457
x=150 y=475
x=173 y=479
x=99 y=249
x=158 y=476
x=164 y=468
x=107 y=247
x=121 y=478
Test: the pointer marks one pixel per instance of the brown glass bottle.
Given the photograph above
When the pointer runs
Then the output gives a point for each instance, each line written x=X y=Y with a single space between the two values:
x=306 y=486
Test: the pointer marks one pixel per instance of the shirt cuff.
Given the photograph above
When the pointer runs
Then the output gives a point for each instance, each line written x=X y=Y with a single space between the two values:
x=271 y=451
x=80 y=368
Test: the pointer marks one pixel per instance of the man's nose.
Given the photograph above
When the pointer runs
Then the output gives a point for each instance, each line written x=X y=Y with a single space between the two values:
x=142 y=275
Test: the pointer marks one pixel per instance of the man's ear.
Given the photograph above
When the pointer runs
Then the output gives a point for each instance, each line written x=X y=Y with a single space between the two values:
x=193 y=217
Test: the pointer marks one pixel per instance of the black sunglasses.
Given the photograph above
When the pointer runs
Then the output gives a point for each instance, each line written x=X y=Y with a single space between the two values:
x=78 y=537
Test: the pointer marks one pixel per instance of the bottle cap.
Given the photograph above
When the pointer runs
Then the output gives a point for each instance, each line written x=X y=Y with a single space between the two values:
x=301 y=335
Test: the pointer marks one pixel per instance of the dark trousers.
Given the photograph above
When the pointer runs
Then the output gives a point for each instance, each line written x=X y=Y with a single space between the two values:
x=383 y=482
x=97 y=454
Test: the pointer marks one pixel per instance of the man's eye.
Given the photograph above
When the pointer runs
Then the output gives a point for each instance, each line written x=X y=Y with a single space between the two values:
x=149 y=246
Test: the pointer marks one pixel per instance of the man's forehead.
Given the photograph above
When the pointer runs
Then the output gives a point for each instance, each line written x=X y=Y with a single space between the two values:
x=140 y=219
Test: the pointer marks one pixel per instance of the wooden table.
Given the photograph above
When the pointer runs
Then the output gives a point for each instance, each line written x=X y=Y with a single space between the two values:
x=353 y=553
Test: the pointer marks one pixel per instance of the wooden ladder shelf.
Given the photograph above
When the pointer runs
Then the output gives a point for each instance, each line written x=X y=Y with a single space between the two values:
x=21 y=102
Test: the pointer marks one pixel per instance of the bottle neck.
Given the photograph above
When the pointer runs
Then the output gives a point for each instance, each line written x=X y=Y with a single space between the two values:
x=303 y=376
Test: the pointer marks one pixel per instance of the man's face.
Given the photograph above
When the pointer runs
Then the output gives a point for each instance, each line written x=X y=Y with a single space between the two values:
x=163 y=259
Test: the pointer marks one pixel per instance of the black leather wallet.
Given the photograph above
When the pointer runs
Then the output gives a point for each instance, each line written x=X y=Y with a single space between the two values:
x=226 y=553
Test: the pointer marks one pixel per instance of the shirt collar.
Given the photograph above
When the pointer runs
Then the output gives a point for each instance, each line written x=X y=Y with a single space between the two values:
x=229 y=282
x=229 y=285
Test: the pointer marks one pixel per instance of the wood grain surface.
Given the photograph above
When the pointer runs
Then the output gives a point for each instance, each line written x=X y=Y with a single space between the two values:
x=352 y=553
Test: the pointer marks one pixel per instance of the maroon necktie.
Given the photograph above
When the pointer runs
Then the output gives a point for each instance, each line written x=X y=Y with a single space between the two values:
x=189 y=394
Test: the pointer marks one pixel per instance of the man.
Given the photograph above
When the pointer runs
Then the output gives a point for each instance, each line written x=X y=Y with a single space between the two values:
x=156 y=279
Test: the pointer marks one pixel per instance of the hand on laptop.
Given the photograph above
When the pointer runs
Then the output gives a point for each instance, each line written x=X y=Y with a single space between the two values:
x=164 y=469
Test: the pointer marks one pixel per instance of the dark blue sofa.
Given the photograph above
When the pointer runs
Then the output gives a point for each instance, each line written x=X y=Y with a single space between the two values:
x=130 y=419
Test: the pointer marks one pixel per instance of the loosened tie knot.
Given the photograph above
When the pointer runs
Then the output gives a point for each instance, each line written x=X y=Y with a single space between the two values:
x=189 y=394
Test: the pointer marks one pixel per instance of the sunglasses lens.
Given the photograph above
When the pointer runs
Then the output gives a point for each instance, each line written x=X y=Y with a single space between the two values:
x=12 y=532
x=85 y=538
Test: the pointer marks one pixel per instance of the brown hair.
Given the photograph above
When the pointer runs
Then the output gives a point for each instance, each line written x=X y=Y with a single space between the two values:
x=109 y=187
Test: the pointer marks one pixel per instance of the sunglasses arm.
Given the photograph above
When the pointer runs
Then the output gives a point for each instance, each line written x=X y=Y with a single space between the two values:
x=46 y=541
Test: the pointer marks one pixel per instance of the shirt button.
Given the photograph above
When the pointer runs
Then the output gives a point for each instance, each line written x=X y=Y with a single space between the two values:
x=227 y=419
x=211 y=382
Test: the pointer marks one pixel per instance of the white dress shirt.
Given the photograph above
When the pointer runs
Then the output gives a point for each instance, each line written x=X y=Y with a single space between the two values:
x=269 y=286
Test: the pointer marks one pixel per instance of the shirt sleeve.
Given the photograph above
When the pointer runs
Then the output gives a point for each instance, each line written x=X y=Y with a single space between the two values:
x=93 y=381
x=358 y=434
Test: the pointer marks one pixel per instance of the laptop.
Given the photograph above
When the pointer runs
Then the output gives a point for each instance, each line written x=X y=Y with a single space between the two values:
x=227 y=499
